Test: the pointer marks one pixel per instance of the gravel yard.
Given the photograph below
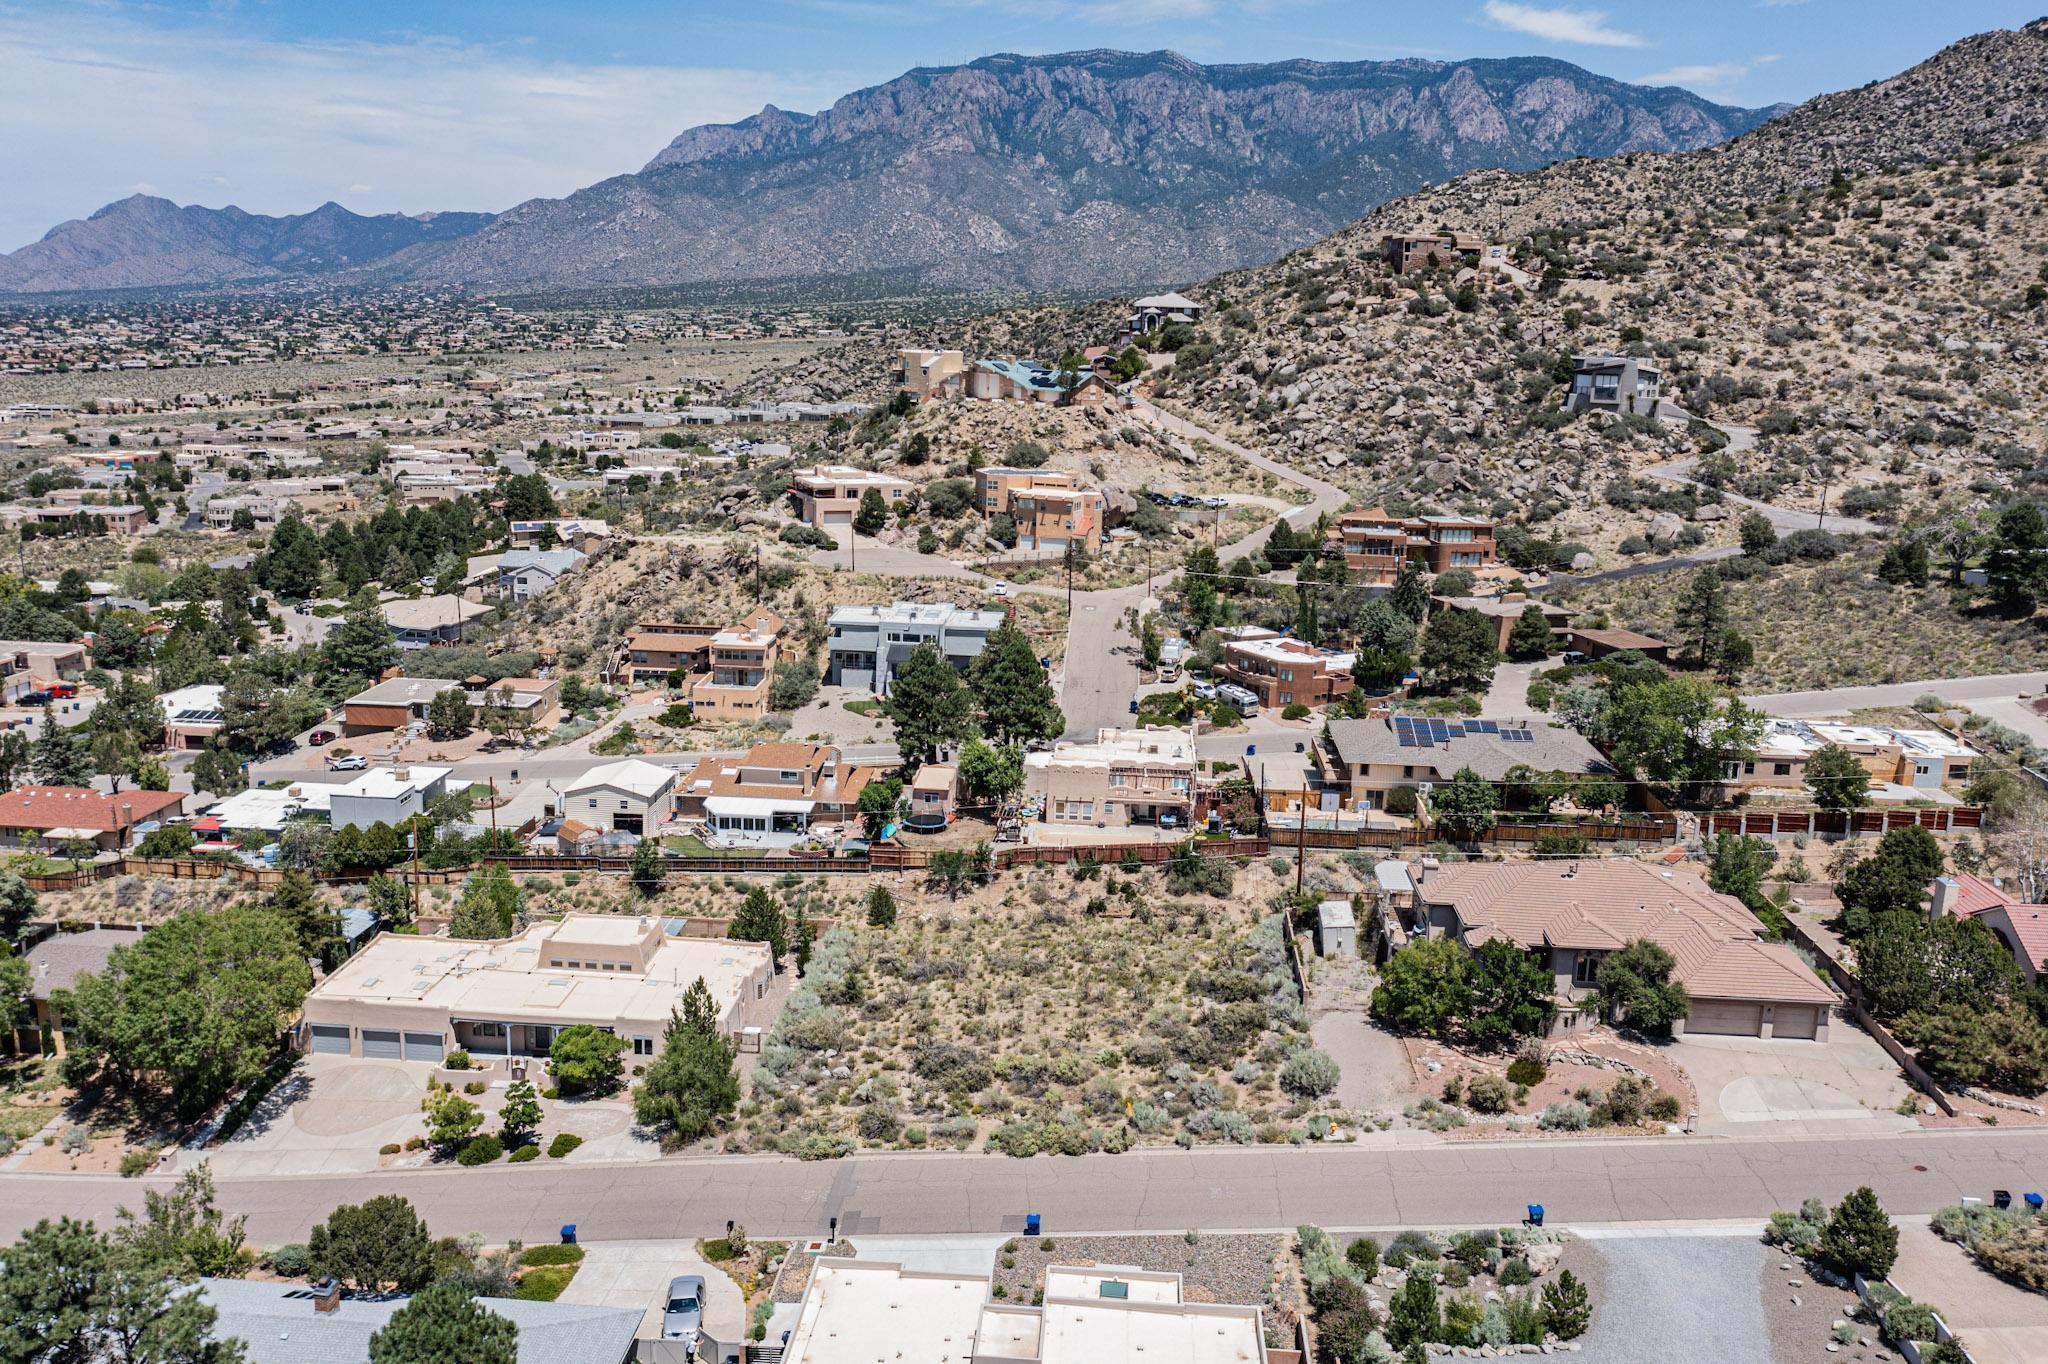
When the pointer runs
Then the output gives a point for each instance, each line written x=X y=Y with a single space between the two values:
x=1213 y=1268
x=1683 y=1300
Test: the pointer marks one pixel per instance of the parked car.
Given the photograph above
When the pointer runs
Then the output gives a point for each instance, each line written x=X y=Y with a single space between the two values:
x=34 y=698
x=63 y=691
x=320 y=736
x=347 y=762
x=1205 y=691
x=683 y=1317
x=1001 y=589
x=1575 y=656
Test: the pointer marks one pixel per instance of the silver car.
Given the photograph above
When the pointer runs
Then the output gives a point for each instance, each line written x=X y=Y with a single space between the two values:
x=683 y=1317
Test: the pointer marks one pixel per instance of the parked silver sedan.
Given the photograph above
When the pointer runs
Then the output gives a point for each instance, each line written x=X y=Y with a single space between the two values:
x=683 y=1317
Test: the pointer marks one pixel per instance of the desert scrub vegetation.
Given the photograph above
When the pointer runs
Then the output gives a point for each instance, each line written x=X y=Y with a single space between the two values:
x=1030 y=1028
x=2011 y=1242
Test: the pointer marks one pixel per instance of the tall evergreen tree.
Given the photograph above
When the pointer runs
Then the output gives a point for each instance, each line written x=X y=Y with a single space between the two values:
x=1012 y=689
x=760 y=919
x=691 y=1085
x=442 y=1322
x=1702 y=618
x=62 y=755
x=2013 y=569
x=929 y=706
x=1409 y=594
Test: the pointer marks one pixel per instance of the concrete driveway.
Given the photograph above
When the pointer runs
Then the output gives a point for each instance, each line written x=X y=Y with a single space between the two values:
x=636 y=1273
x=329 y=1116
x=2001 y=1322
x=1744 y=1081
x=1507 y=698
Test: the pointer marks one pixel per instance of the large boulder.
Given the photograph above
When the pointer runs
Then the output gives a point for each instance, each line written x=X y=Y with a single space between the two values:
x=1664 y=529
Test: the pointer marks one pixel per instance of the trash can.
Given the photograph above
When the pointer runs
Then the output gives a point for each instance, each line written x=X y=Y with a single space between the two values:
x=2001 y=1198
x=1535 y=1218
x=2033 y=1202
x=1031 y=1224
x=568 y=1233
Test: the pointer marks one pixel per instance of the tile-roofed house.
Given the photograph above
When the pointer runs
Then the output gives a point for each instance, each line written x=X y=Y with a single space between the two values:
x=1365 y=759
x=55 y=964
x=778 y=788
x=1573 y=913
x=278 y=1323
x=2021 y=927
x=58 y=814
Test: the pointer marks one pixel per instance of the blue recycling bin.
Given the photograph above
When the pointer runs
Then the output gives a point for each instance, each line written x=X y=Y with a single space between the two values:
x=1535 y=1214
x=2034 y=1202
x=1031 y=1224
x=568 y=1233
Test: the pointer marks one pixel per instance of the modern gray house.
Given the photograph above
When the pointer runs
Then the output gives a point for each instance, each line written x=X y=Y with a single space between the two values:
x=1614 y=383
x=869 y=643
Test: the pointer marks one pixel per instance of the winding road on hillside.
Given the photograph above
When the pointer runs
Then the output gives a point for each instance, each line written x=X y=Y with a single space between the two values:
x=1579 y=1181
x=1784 y=520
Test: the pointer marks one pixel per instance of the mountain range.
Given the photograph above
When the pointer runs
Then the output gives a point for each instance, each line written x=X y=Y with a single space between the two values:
x=1085 y=170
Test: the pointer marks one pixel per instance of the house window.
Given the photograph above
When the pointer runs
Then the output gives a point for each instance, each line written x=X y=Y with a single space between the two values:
x=643 y=1046
x=489 y=1029
x=1586 y=968
x=1781 y=769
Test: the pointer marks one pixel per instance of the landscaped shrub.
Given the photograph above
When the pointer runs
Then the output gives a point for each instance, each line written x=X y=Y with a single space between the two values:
x=563 y=1144
x=456 y=1060
x=1664 y=1108
x=1515 y=1272
x=1309 y=1074
x=2019 y=1253
x=1567 y=1116
x=1860 y=1239
x=1364 y=1256
x=1524 y=1312
x=475 y=1087
x=1567 y=1307
x=481 y=1150
x=134 y=1163
x=1410 y=1246
x=524 y=1154
x=1526 y=1070
x=289 y=1261
x=1798 y=1232
x=1907 y=1320
x=389 y=1148
x=1488 y=1093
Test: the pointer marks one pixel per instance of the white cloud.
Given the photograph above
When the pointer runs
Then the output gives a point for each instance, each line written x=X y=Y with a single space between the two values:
x=1707 y=75
x=1588 y=27
x=94 y=103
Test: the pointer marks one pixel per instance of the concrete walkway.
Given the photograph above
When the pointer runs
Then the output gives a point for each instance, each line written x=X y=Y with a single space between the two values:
x=2001 y=1322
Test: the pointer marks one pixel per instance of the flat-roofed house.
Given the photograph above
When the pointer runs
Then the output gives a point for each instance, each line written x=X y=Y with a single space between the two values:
x=393 y=703
x=192 y=715
x=1377 y=543
x=1119 y=779
x=929 y=374
x=869 y=643
x=1571 y=914
x=828 y=495
x=32 y=665
x=864 y=1311
x=657 y=649
x=1048 y=506
x=385 y=795
x=631 y=796
x=1284 y=672
x=1504 y=611
x=1614 y=383
x=740 y=670
x=407 y=997
x=1406 y=251
x=420 y=622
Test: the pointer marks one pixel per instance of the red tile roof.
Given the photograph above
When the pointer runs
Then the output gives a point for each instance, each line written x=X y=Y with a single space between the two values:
x=78 y=807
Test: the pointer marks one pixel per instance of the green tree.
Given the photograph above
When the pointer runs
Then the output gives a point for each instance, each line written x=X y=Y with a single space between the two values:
x=449 y=714
x=14 y=986
x=1410 y=594
x=218 y=771
x=1702 y=618
x=1681 y=733
x=1739 y=866
x=1837 y=779
x=489 y=905
x=1511 y=994
x=62 y=755
x=873 y=513
x=182 y=1231
x=316 y=925
x=1895 y=876
x=650 y=868
x=1424 y=987
x=442 y=1322
x=1415 y=1316
x=2013 y=569
x=17 y=904
x=928 y=705
x=370 y=1246
x=691 y=1085
x=1532 y=637
x=388 y=899
x=1757 y=534
x=1567 y=1307
x=1636 y=987
x=452 y=1119
x=191 y=1010
x=361 y=645
x=880 y=801
x=1905 y=562
x=1859 y=1237
x=585 y=1060
x=761 y=919
x=1466 y=806
x=990 y=773
x=1458 y=649
x=881 y=908
x=73 y=1296
x=1012 y=690
x=521 y=1114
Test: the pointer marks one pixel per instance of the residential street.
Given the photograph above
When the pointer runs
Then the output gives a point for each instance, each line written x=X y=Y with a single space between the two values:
x=1994 y=695
x=1451 y=1184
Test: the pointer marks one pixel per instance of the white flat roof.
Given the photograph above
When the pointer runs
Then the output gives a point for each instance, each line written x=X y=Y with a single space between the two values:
x=869 y=1312
x=269 y=810
x=384 y=783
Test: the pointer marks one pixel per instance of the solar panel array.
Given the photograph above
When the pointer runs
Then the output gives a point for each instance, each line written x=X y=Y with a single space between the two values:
x=1427 y=731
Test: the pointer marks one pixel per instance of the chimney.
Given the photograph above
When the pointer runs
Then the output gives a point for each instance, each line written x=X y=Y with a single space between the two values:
x=327 y=1296
x=1946 y=888
x=1429 y=867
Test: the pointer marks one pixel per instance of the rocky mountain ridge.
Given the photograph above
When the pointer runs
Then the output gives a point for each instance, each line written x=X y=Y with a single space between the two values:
x=144 y=241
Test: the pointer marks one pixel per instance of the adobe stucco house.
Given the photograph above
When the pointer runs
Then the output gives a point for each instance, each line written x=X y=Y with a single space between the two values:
x=1571 y=914
x=405 y=997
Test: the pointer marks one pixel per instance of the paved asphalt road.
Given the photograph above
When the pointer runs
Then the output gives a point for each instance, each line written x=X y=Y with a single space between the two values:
x=1651 y=1180
x=1838 y=700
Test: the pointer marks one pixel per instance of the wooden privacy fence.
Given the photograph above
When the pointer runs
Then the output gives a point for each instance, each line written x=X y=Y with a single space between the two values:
x=1147 y=853
x=1516 y=834
x=1842 y=823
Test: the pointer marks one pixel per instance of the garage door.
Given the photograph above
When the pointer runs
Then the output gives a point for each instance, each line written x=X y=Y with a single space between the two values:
x=330 y=1038
x=1789 y=1020
x=382 y=1045
x=837 y=518
x=424 y=1046
x=1707 y=1016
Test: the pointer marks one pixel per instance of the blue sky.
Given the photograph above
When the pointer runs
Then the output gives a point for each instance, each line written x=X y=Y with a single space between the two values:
x=278 y=105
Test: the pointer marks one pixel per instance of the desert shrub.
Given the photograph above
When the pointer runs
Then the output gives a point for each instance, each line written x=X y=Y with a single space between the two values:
x=1799 y=1232
x=2019 y=1253
x=1525 y=1070
x=289 y=1261
x=1364 y=1255
x=1625 y=1103
x=1665 y=1108
x=1515 y=1272
x=525 y=1153
x=1488 y=1094
x=563 y=1144
x=1309 y=1074
x=1410 y=1246
x=1907 y=1320
x=1524 y=1312
x=456 y=1060
x=1568 y=1116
